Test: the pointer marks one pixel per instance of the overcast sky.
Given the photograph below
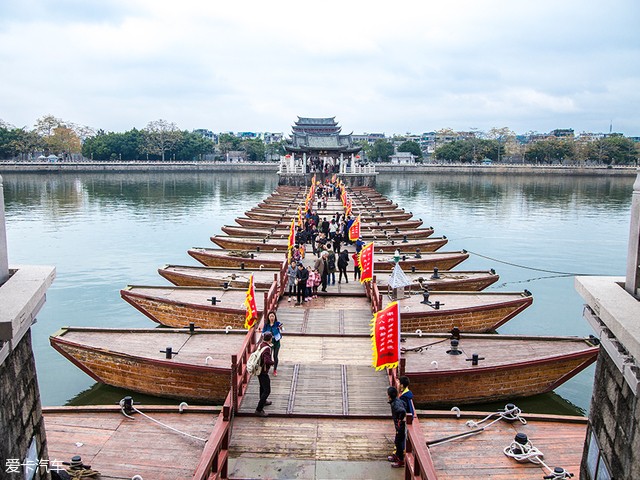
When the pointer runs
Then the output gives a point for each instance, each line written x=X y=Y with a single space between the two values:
x=391 y=67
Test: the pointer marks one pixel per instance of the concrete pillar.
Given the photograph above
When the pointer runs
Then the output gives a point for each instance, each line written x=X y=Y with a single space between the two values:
x=4 y=257
x=632 y=284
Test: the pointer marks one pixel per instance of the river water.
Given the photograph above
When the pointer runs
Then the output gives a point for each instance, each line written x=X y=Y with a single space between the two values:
x=104 y=231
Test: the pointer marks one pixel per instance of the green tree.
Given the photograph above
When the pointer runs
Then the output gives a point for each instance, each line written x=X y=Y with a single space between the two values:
x=227 y=143
x=411 y=147
x=381 y=150
x=617 y=150
x=192 y=145
x=551 y=150
x=275 y=149
x=255 y=149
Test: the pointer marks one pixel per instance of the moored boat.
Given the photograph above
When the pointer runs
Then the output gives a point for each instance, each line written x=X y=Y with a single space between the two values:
x=180 y=306
x=281 y=244
x=222 y=277
x=369 y=216
x=507 y=367
x=215 y=257
x=379 y=224
x=469 y=311
x=365 y=232
x=137 y=359
x=448 y=280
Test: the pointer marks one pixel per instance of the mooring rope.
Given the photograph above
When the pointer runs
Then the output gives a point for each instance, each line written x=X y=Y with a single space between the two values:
x=526 y=452
x=159 y=423
x=567 y=274
x=422 y=347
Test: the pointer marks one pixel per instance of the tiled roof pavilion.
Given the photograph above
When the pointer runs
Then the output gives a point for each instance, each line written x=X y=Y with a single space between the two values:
x=313 y=135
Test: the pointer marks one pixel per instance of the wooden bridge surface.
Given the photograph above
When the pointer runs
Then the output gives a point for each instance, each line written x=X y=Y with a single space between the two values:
x=329 y=417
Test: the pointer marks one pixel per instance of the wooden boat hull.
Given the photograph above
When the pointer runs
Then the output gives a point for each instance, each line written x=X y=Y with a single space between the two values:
x=221 y=258
x=216 y=277
x=427 y=261
x=286 y=215
x=156 y=375
x=450 y=280
x=472 y=318
x=281 y=245
x=284 y=223
x=366 y=233
x=511 y=367
x=179 y=313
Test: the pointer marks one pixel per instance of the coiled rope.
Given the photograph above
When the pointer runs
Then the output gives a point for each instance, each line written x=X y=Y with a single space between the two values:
x=510 y=413
x=158 y=422
x=526 y=452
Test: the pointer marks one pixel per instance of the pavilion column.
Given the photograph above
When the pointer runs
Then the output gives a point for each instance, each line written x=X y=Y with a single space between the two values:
x=4 y=257
x=292 y=163
x=632 y=284
x=341 y=169
x=304 y=163
x=353 y=163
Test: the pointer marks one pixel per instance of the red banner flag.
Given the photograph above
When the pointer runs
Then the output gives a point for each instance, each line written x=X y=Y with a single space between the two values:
x=250 y=304
x=292 y=233
x=365 y=260
x=348 y=207
x=300 y=217
x=385 y=337
x=354 y=230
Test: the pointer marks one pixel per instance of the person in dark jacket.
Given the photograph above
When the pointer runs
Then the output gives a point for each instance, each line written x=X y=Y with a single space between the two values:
x=406 y=395
x=343 y=261
x=399 y=414
x=302 y=275
x=263 y=376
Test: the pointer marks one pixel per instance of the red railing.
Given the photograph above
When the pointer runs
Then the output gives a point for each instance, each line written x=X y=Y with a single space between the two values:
x=214 y=458
x=417 y=459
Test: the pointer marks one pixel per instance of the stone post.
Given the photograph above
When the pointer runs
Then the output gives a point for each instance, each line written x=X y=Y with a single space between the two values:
x=632 y=284
x=353 y=163
x=4 y=257
x=304 y=163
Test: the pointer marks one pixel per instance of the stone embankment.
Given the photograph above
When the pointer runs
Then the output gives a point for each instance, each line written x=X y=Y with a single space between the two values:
x=272 y=167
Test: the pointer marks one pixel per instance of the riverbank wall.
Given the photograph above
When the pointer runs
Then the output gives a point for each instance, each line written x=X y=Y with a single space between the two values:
x=270 y=167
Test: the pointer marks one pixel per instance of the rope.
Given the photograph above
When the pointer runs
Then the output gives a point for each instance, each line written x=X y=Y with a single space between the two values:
x=158 y=422
x=169 y=427
x=509 y=414
x=522 y=453
x=568 y=274
x=422 y=347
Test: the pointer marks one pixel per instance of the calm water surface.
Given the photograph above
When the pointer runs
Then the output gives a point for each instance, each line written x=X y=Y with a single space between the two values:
x=103 y=232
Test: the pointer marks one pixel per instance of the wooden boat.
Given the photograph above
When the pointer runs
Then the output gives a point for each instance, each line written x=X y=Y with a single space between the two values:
x=179 y=306
x=215 y=257
x=472 y=452
x=187 y=276
x=279 y=205
x=286 y=221
x=99 y=432
x=136 y=359
x=282 y=245
x=509 y=367
x=369 y=216
x=449 y=280
x=366 y=233
x=469 y=311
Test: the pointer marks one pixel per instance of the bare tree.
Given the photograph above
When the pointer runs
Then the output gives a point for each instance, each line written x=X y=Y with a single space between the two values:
x=160 y=136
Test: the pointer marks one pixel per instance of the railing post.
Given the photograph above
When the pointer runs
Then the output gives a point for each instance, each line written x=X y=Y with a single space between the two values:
x=234 y=382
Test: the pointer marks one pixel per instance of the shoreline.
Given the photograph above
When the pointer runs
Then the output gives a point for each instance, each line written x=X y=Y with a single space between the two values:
x=272 y=167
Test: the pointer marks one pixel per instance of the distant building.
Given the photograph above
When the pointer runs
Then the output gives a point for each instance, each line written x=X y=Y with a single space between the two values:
x=205 y=133
x=320 y=137
x=562 y=133
x=269 y=137
x=236 y=156
x=403 y=158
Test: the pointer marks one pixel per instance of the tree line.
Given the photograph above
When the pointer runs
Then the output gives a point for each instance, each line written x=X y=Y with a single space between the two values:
x=163 y=140
x=159 y=140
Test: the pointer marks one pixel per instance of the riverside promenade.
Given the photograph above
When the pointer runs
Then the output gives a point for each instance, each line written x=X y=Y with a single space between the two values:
x=89 y=166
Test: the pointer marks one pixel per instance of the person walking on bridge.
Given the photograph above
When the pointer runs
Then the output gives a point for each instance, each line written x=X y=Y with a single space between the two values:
x=263 y=376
